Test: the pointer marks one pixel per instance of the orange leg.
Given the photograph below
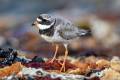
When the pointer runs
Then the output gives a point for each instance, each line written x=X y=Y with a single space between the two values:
x=66 y=54
x=56 y=50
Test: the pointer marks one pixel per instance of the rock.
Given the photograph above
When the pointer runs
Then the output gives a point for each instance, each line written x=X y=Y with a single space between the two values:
x=110 y=74
x=115 y=64
x=102 y=63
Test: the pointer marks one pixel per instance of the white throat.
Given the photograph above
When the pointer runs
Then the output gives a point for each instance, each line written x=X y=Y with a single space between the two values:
x=42 y=27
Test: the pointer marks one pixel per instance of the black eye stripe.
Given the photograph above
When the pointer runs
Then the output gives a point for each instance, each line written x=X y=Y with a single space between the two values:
x=43 y=21
x=49 y=31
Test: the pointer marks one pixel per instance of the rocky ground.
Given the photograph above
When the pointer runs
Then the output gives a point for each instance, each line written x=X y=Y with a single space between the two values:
x=16 y=67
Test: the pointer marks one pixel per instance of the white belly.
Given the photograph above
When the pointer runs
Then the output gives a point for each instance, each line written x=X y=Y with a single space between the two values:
x=57 y=39
x=49 y=39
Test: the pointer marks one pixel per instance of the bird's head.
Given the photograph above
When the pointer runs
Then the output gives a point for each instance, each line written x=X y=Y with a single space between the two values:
x=44 y=21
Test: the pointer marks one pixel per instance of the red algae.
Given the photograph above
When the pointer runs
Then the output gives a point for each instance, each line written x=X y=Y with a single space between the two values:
x=56 y=65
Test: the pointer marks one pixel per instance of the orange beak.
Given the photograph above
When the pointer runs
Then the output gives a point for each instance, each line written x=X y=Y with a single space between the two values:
x=34 y=24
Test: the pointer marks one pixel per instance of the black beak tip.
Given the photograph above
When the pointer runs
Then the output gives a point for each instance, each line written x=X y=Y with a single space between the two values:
x=33 y=24
x=87 y=33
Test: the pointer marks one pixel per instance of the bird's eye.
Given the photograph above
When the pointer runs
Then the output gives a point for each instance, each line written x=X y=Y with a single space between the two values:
x=44 y=20
x=47 y=22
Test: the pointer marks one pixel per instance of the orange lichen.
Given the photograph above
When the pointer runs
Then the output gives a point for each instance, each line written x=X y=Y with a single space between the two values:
x=102 y=63
x=13 y=69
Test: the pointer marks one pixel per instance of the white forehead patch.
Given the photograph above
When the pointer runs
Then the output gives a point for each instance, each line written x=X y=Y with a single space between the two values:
x=39 y=20
x=42 y=27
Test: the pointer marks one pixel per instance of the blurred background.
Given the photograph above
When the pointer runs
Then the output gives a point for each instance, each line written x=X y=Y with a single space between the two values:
x=101 y=16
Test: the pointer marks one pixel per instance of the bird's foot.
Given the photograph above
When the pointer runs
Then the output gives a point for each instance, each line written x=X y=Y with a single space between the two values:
x=62 y=69
x=52 y=60
x=59 y=61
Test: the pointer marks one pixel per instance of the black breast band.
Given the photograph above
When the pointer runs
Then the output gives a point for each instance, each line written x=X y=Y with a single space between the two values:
x=49 y=31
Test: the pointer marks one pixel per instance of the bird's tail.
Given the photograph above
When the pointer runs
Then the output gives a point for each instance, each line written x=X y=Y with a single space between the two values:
x=84 y=33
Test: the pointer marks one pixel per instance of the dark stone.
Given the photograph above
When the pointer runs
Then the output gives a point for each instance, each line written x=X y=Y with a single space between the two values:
x=37 y=59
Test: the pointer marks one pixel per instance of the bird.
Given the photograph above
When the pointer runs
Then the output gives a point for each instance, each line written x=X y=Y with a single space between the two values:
x=56 y=29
